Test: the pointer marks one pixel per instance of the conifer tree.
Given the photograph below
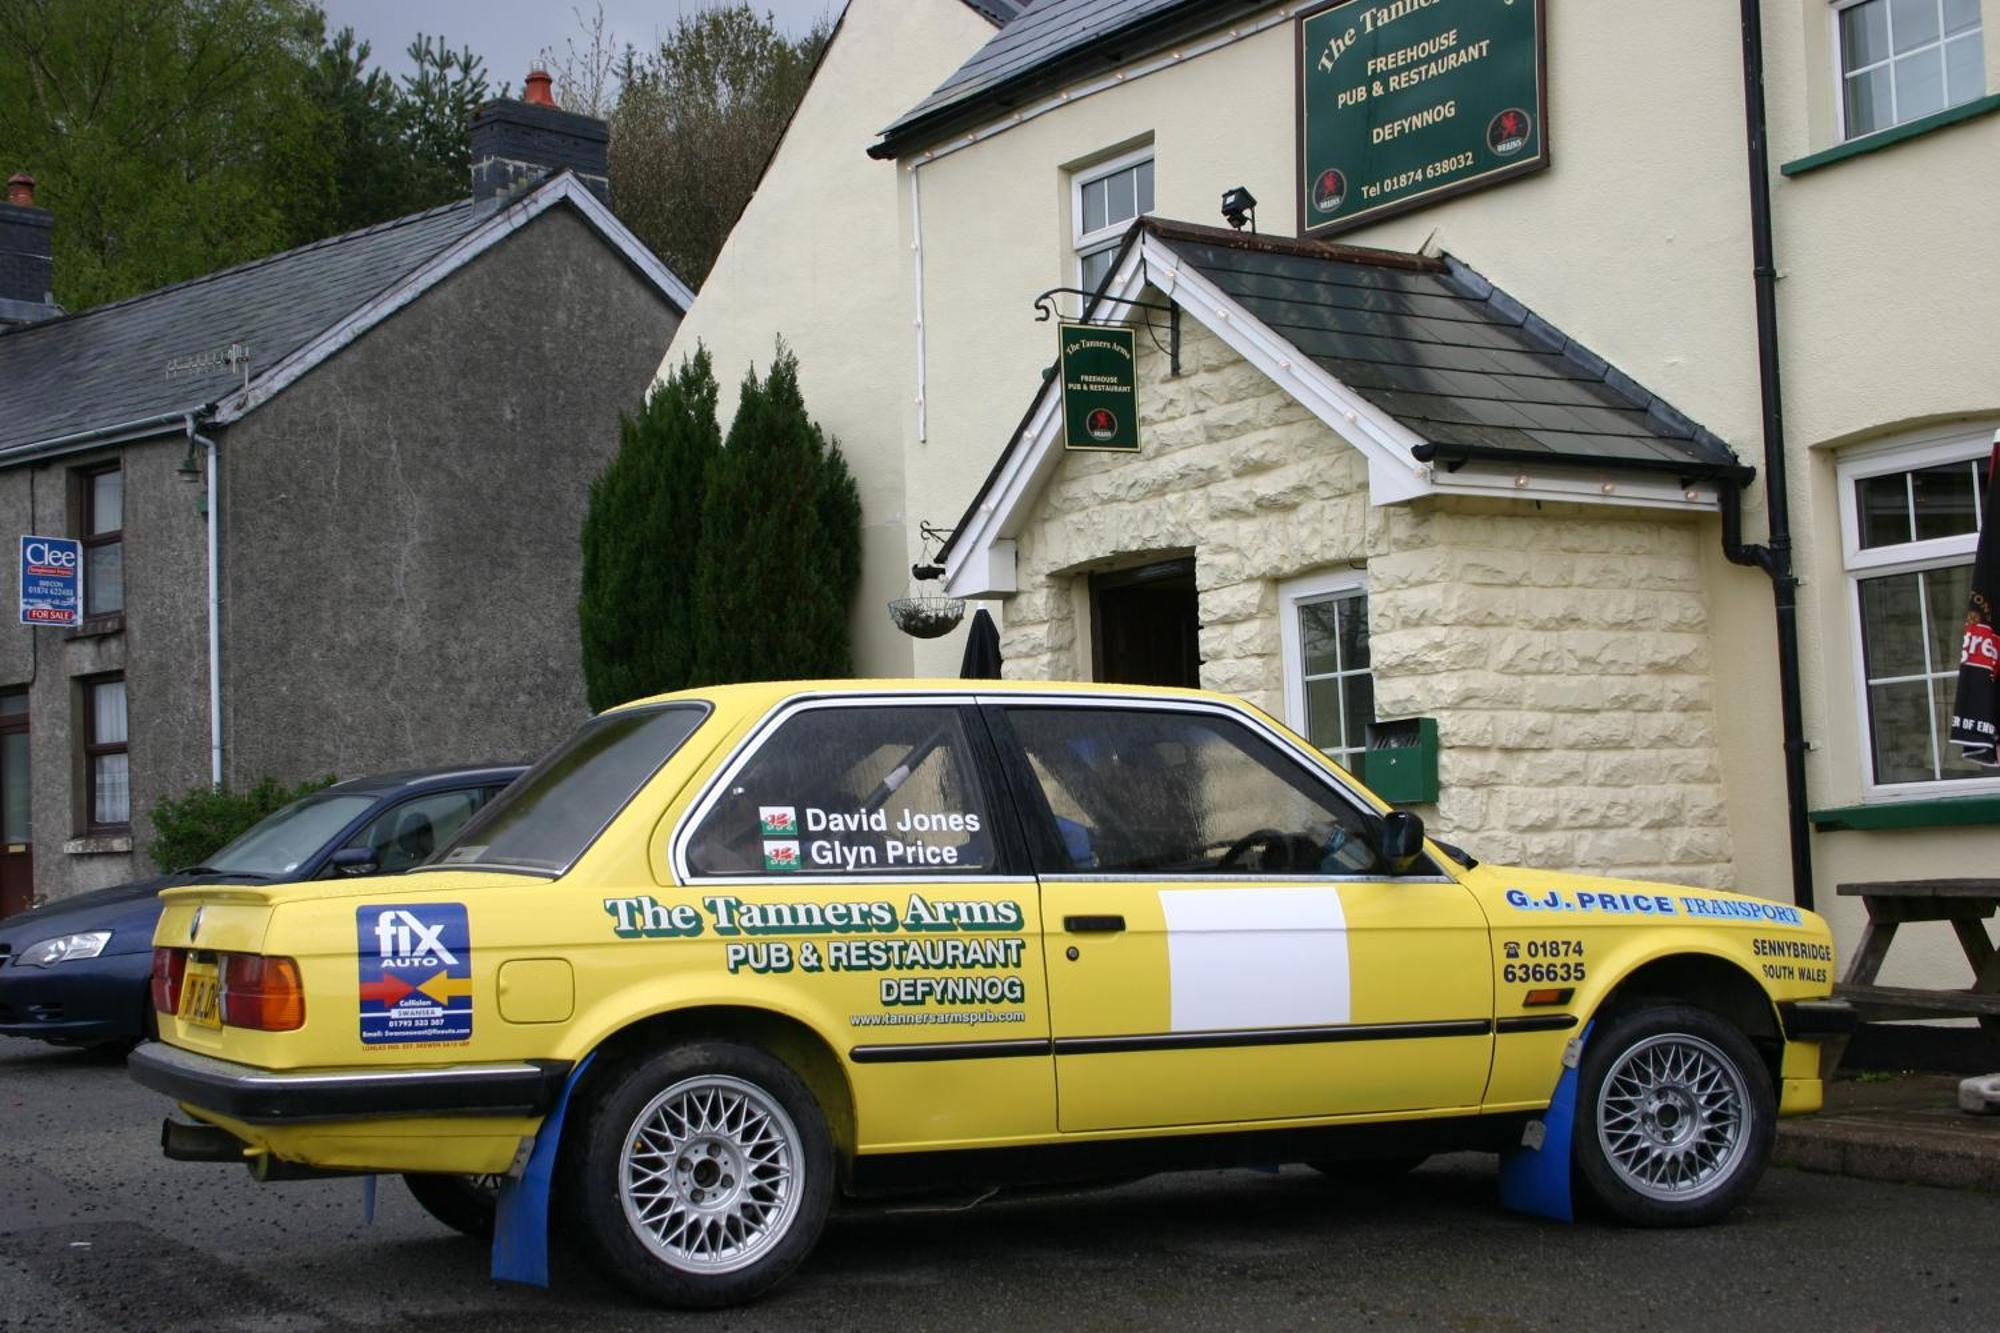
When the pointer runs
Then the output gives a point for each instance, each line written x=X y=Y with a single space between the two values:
x=637 y=613
x=780 y=553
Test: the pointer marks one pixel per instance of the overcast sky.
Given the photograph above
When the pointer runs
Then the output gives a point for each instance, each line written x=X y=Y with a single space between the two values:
x=512 y=33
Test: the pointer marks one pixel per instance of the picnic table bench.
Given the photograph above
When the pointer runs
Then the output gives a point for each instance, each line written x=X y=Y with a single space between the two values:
x=1966 y=904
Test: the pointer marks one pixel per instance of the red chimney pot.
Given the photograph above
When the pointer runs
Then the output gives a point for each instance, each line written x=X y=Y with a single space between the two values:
x=21 y=189
x=537 y=88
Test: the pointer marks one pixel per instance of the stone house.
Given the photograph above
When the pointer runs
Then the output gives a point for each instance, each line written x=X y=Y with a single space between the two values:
x=1351 y=526
x=329 y=500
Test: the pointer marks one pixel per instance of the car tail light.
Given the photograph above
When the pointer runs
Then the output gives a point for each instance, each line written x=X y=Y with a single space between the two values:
x=169 y=967
x=263 y=993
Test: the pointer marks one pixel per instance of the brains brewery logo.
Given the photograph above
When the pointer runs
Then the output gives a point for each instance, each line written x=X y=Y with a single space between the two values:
x=1329 y=190
x=1101 y=423
x=1507 y=133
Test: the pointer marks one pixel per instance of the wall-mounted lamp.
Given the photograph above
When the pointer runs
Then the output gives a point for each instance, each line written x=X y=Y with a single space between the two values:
x=190 y=468
x=1239 y=206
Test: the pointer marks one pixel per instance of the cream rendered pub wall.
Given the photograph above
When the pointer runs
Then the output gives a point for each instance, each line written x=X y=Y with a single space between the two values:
x=1636 y=244
x=814 y=258
x=1887 y=310
x=1636 y=241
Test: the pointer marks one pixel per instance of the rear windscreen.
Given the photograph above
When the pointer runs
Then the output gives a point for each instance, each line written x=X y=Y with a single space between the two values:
x=554 y=811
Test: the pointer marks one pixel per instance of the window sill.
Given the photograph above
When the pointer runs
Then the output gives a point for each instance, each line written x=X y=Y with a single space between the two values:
x=1896 y=134
x=1943 y=812
x=99 y=626
x=98 y=844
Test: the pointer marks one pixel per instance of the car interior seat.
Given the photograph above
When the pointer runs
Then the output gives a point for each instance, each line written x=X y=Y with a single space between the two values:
x=413 y=840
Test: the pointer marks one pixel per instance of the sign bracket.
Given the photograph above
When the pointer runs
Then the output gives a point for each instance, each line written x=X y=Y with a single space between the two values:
x=1046 y=309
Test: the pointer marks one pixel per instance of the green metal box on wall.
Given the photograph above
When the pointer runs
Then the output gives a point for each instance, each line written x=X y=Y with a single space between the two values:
x=1401 y=762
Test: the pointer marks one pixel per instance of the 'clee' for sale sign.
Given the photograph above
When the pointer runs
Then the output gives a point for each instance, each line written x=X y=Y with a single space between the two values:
x=51 y=581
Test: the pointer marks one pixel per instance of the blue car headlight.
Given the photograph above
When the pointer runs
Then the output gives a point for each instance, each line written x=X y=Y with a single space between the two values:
x=63 y=949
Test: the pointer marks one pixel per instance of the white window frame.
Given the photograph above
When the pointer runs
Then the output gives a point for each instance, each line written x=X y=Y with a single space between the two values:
x=1840 y=72
x=1083 y=243
x=1292 y=595
x=1906 y=454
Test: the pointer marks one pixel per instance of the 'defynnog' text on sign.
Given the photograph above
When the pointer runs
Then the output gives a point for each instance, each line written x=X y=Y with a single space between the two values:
x=1402 y=102
x=1100 y=397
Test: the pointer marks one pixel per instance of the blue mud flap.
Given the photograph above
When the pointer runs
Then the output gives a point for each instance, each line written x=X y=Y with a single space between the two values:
x=521 y=1225
x=1535 y=1179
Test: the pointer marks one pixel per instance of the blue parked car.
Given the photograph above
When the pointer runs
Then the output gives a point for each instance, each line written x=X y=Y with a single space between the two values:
x=75 y=972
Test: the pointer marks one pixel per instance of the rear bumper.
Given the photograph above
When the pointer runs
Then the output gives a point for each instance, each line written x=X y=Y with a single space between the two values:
x=1817 y=1020
x=266 y=1096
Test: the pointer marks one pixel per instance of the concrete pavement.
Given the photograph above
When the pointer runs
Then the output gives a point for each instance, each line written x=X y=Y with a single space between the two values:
x=1897 y=1127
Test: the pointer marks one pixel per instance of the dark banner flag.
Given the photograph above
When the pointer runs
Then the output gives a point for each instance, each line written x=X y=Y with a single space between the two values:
x=1975 y=715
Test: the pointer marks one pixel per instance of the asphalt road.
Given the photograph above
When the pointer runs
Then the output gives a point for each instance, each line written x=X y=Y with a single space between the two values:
x=98 y=1231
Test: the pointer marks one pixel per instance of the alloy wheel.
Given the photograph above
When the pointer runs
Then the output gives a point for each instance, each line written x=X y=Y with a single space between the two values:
x=709 y=1177
x=1672 y=1117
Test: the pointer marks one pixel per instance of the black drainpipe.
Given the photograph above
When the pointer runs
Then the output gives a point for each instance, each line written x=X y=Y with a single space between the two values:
x=1774 y=559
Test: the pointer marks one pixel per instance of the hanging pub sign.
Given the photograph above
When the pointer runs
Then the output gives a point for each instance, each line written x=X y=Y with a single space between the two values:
x=1405 y=102
x=1100 y=397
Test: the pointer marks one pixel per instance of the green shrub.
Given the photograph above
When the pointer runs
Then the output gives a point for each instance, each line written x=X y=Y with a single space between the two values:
x=779 y=560
x=636 y=612
x=191 y=827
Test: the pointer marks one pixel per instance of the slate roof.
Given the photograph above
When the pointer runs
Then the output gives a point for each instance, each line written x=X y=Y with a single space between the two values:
x=107 y=367
x=1474 y=374
x=997 y=12
x=1050 y=42
x=1461 y=363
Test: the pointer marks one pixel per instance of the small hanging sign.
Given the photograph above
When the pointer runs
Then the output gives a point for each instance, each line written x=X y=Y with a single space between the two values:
x=1100 y=396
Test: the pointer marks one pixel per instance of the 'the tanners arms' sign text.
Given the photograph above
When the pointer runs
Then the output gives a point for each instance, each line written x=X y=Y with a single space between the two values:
x=1403 y=101
x=1100 y=398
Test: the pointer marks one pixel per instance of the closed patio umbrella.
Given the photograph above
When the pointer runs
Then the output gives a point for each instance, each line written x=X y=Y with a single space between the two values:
x=982 y=649
x=1975 y=714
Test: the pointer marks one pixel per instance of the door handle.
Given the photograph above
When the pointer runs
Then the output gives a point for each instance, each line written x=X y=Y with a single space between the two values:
x=1079 y=925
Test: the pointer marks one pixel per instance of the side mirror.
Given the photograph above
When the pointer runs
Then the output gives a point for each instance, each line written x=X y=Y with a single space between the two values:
x=355 y=861
x=1402 y=840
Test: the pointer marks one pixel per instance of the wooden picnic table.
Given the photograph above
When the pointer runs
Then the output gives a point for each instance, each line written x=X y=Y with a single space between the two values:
x=1966 y=904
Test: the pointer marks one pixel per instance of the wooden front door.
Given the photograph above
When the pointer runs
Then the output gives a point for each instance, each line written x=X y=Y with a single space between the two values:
x=1146 y=627
x=17 y=858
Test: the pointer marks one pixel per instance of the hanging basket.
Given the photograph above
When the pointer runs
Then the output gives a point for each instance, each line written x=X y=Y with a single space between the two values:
x=927 y=617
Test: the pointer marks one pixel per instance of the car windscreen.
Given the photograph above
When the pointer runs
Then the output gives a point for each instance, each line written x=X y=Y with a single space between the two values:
x=552 y=813
x=280 y=843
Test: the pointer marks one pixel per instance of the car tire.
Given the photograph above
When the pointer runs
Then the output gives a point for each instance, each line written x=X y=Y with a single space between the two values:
x=705 y=1175
x=1675 y=1115
x=463 y=1203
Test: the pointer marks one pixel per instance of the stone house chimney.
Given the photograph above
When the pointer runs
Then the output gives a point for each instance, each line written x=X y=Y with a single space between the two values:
x=515 y=144
x=27 y=256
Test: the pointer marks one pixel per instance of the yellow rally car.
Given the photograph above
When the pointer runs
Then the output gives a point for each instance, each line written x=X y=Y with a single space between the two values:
x=729 y=954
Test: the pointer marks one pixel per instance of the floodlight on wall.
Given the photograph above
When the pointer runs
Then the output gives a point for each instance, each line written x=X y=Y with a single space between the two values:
x=190 y=468
x=1239 y=206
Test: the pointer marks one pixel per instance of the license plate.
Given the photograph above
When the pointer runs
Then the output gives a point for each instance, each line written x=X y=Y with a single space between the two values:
x=201 y=996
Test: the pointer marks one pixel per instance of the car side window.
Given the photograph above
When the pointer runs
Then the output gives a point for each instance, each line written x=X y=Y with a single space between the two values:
x=852 y=790
x=1183 y=794
x=405 y=834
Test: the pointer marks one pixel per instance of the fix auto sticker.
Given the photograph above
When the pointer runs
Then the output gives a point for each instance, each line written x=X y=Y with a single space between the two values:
x=416 y=973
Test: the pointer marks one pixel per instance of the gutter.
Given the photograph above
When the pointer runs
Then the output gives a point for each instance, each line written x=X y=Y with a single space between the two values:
x=1689 y=471
x=1774 y=558
x=78 y=441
